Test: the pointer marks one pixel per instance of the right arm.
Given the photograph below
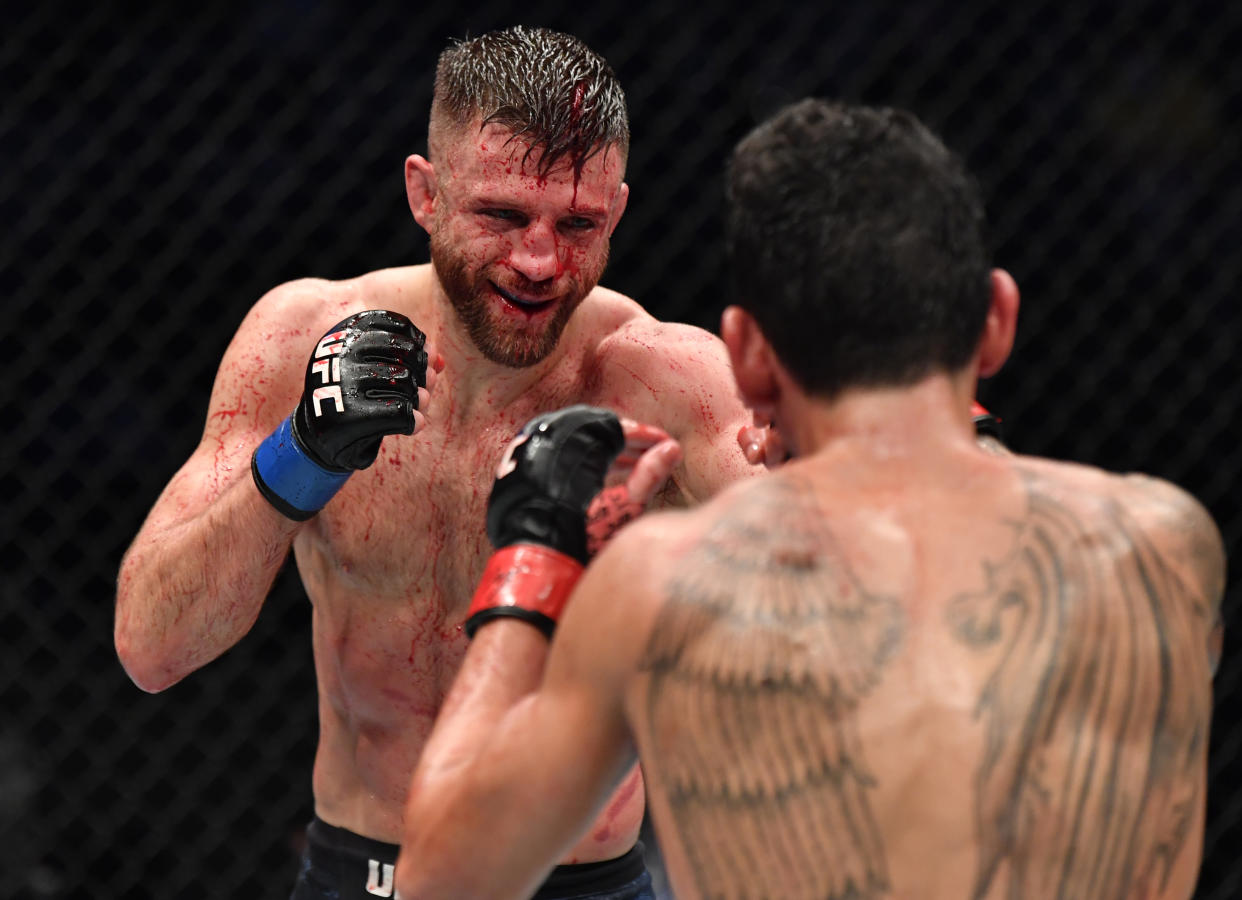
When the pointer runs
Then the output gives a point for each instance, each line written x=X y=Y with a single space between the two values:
x=196 y=575
x=193 y=580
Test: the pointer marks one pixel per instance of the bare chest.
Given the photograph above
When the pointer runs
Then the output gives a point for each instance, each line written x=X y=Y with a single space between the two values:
x=412 y=526
x=390 y=566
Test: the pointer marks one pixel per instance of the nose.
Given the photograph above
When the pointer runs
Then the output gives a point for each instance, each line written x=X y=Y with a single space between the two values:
x=535 y=252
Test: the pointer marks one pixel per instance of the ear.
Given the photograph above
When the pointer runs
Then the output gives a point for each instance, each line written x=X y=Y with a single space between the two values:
x=618 y=207
x=751 y=356
x=1001 y=324
x=420 y=189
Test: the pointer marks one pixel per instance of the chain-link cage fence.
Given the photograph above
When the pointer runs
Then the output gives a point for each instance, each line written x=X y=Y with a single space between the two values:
x=165 y=165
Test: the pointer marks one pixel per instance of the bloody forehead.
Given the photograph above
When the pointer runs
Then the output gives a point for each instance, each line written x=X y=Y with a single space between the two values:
x=496 y=161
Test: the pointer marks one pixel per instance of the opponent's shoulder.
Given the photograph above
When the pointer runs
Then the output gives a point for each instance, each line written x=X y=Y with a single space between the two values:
x=637 y=558
x=642 y=336
x=1184 y=523
x=1087 y=489
x=1168 y=518
x=646 y=538
x=669 y=362
x=619 y=594
x=1153 y=501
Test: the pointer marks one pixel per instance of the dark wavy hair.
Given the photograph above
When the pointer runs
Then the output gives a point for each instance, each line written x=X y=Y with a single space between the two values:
x=856 y=240
x=546 y=87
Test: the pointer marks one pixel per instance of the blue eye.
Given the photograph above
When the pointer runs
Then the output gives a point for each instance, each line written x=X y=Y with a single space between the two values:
x=578 y=223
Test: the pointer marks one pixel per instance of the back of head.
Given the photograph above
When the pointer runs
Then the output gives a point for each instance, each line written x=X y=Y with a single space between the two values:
x=856 y=242
x=546 y=87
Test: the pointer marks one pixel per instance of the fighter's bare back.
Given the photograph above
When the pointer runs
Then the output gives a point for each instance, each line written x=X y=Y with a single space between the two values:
x=991 y=682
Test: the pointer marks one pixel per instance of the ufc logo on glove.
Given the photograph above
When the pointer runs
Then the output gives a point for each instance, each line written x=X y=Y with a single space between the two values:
x=332 y=345
x=378 y=358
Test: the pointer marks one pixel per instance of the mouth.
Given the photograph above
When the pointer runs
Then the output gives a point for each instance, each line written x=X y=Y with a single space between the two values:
x=528 y=305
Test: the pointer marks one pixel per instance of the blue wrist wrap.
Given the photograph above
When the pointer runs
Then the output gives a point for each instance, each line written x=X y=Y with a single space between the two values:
x=289 y=479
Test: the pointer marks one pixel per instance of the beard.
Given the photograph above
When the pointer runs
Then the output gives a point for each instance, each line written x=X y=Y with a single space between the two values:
x=505 y=339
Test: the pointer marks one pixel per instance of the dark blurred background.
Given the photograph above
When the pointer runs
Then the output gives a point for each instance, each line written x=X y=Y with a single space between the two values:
x=164 y=165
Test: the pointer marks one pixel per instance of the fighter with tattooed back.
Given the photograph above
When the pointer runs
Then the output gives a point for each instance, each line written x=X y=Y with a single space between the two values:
x=897 y=666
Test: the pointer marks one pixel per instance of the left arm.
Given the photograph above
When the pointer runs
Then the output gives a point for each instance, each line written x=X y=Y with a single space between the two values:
x=679 y=378
x=518 y=765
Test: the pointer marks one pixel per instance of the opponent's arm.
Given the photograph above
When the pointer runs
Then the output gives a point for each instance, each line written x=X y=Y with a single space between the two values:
x=679 y=377
x=193 y=580
x=511 y=775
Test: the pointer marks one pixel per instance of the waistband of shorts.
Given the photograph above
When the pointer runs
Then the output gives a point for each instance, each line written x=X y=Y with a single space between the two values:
x=321 y=835
x=593 y=877
x=567 y=880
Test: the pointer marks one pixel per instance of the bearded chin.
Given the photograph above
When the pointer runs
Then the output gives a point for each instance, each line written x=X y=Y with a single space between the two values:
x=498 y=341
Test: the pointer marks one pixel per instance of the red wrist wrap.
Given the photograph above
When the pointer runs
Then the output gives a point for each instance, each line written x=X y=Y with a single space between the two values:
x=985 y=423
x=530 y=582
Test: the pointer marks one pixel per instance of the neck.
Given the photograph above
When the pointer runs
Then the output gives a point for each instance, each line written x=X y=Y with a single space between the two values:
x=891 y=422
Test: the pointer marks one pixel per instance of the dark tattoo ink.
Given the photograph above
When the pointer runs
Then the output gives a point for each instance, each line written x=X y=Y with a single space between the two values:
x=767 y=644
x=1094 y=716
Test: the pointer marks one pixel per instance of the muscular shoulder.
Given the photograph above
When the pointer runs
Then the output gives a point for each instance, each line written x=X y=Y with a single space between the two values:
x=634 y=565
x=262 y=371
x=1153 y=501
x=1177 y=525
x=312 y=305
x=288 y=319
x=667 y=372
x=661 y=349
x=1184 y=524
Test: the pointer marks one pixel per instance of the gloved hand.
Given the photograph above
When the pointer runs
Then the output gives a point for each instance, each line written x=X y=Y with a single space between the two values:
x=536 y=515
x=986 y=424
x=549 y=475
x=362 y=383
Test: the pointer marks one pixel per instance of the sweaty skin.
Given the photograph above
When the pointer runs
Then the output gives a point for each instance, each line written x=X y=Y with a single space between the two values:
x=391 y=562
x=900 y=666
x=835 y=660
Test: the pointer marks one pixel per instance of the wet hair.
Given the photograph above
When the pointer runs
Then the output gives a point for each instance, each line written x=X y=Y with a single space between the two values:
x=856 y=241
x=546 y=87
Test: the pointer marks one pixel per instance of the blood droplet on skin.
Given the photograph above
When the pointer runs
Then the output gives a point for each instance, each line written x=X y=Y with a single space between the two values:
x=624 y=795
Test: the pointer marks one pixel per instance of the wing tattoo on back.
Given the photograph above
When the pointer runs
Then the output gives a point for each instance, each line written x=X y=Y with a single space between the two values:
x=767 y=644
x=1095 y=729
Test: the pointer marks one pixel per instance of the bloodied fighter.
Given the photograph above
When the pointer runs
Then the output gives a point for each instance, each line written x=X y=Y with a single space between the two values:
x=360 y=422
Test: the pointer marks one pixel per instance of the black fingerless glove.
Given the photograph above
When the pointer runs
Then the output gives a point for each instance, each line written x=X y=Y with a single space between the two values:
x=549 y=476
x=361 y=384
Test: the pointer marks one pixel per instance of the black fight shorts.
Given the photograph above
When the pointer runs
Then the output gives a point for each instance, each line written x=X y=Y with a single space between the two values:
x=341 y=865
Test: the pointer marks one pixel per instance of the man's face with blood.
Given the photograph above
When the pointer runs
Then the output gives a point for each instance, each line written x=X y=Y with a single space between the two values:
x=516 y=251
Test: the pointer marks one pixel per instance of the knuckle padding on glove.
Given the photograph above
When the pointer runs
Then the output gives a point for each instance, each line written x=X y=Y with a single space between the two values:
x=555 y=473
x=357 y=388
x=536 y=515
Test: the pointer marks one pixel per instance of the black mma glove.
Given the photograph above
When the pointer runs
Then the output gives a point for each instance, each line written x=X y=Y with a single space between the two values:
x=548 y=477
x=536 y=514
x=986 y=424
x=362 y=383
